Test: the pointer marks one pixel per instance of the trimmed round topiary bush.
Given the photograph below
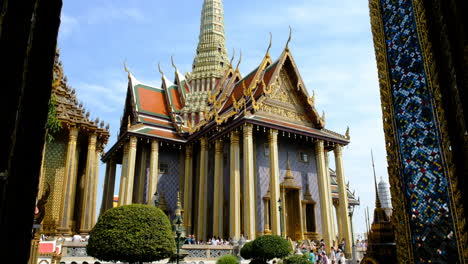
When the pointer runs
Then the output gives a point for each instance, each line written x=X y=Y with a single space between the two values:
x=296 y=259
x=131 y=233
x=246 y=251
x=269 y=247
x=227 y=259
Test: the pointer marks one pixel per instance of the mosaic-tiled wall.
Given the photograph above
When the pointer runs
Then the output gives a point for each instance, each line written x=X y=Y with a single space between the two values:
x=422 y=170
x=303 y=173
x=54 y=174
x=169 y=182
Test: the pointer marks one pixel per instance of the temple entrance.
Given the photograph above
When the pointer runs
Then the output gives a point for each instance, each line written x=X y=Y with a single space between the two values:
x=292 y=213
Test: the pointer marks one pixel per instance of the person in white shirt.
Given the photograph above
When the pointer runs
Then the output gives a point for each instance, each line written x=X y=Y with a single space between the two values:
x=76 y=238
x=332 y=256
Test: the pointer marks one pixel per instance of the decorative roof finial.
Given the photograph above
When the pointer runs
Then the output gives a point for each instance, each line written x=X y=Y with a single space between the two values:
x=233 y=55
x=289 y=39
x=172 y=61
x=125 y=68
x=347 y=133
x=269 y=45
x=240 y=59
x=159 y=68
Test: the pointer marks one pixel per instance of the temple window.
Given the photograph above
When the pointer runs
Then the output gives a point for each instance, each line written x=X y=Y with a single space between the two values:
x=266 y=149
x=304 y=156
x=163 y=168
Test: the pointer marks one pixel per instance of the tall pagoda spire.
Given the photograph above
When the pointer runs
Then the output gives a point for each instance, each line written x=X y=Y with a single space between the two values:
x=212 y=59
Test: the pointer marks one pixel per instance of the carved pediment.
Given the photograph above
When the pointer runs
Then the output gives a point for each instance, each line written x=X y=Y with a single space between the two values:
x=285 y=102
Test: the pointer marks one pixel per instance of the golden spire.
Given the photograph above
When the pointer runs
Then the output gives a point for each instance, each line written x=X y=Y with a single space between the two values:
x=377 y=199
x=212 y=58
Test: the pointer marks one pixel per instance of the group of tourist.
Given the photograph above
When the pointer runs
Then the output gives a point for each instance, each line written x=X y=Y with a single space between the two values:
x=214 y=241
x=317 y=254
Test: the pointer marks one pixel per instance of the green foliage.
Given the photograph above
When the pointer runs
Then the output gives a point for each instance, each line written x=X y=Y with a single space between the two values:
x=297 y=259
x=269 y=247
x=131 y=233
x=53 y=123
x=227 y=259
x=246 y=251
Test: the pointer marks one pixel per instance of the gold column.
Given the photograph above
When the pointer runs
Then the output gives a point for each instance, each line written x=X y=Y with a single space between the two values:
x=274 y=181
x=69 y=183
x=331 y=219
x=154 y=171
x=343 y=200
x=202 y=195
x=249 y=184
x=123 y=175
x=339 y=223
x=86 y=205
x=95 y=188
x=234 y=201
x=218 y=198
x=188 y=189
x=132 y=148
x=142 y=175
x=109 y=185
x=325 y=208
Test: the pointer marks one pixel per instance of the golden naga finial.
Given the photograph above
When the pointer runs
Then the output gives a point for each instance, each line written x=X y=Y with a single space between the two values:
x=323 y=116
x=269 y=46
x=347 y=133
x=289 y=39
x=233 y=55
x=173 y=64
x=240 y=60
x=234 y=103
x=125 y=68
x=159 y=68
x=312 y=99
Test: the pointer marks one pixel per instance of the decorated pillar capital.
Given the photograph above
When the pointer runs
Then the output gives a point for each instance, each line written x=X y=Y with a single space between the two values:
x=273 y=136
x=338 y=150
x=203 y=143
x=92 y=139
x=319 y=146
x=219 y=146
x=188 y=151
x=73 y=133
x=248 y=128
x=133 y=141
x=234 y=137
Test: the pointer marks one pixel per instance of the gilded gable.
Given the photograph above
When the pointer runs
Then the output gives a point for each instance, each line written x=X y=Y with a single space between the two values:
x=285 y=102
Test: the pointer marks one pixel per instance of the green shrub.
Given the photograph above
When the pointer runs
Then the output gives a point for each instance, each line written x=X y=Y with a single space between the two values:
x=269 y=247
x=227 y=259
x=297 y=259
x=131 y=233
x=246 y=251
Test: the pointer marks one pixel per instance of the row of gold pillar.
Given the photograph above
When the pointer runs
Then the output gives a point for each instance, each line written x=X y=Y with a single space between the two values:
x=88 y=200
x=199 y=228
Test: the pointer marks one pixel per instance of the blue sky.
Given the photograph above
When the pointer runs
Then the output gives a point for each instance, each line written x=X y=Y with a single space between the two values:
x=331 y=43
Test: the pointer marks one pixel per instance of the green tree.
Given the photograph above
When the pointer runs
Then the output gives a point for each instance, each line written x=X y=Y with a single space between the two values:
x=246 y=251
x=296 y=259
x=268 y=247
x=132 y=233
x=227 y=259
x=53 y=124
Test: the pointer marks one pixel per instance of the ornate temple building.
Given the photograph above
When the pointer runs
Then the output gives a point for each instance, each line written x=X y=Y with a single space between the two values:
x=421 y=49
x=249 y=154
x=69 y=171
